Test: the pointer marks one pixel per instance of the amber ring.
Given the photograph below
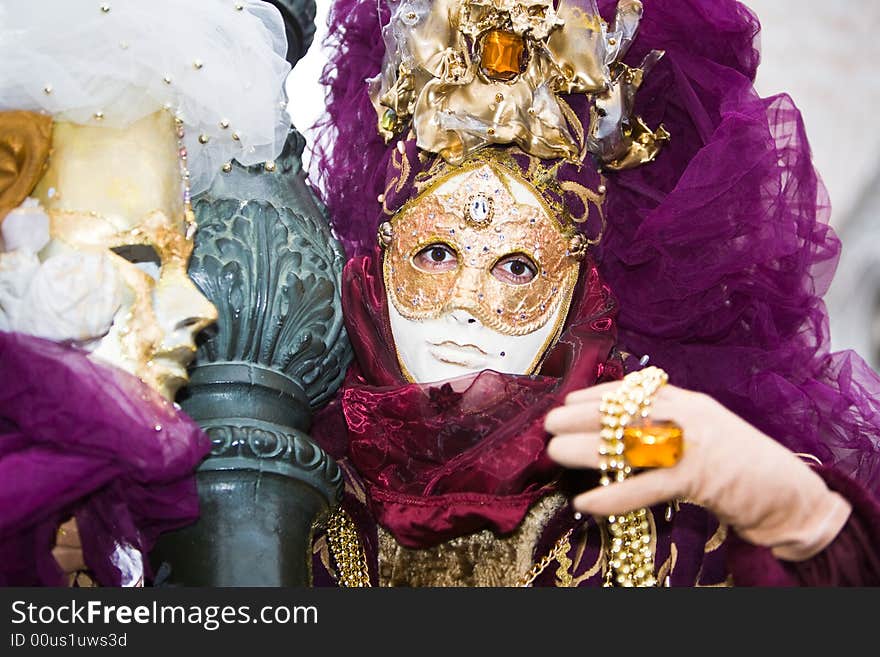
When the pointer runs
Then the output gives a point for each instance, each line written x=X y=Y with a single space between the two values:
x=653 y=443
x=629 y=439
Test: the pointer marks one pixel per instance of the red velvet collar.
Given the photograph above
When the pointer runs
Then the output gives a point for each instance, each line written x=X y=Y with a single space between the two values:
x=448 y=459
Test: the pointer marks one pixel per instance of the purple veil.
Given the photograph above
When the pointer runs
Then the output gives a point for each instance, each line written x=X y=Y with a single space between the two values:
x=719 y=252
x=82 y=439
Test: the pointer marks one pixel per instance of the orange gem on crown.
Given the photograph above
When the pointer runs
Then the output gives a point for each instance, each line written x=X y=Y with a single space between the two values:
x=502 y=54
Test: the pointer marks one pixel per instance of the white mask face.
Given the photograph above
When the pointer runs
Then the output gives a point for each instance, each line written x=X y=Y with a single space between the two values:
x=457 y=344
x=479 y=275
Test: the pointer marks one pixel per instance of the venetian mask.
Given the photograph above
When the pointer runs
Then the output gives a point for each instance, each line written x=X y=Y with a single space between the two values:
x=479 y=274
x=114 y=199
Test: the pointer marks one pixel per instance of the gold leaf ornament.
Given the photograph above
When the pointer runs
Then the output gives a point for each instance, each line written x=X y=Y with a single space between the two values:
x=25 y=141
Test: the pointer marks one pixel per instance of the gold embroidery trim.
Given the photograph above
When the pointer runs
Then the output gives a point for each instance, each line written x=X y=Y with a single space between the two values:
x=351 y=561
x=717 y=539
x=600 y=562
x=479 y=559
x=558 y=553
x=404 y=170
x=665 y=572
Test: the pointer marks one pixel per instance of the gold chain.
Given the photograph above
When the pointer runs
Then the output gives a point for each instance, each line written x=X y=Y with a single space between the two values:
x=559 y=548
x=632 y=560
x=345 y=545
x=351 y=560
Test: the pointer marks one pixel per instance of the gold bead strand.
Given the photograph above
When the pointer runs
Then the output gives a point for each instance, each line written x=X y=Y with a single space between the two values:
x=631 y=560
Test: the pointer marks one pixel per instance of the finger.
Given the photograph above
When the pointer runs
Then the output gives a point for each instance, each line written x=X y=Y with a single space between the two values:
x=642 y=490
x=589 y=400
x=70 y=559
x=591 y=395
x=578 y=418
x=594 y=394
x=68 y=534
x=575 y=450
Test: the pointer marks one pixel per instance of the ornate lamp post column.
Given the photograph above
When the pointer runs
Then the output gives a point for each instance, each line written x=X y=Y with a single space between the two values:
x=266 y=258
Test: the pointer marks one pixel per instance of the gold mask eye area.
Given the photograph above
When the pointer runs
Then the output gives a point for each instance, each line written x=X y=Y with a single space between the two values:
x=436 y=258
x=143 y=256
x=515 y=269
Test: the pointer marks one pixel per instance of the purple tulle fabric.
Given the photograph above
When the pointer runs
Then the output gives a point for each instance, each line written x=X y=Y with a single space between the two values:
x=90 y=441
x=719 y=252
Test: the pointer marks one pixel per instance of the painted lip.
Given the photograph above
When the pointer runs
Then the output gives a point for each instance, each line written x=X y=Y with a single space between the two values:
x=169 y=370
x=467 y=347
x=172 y=363
x=451 y=353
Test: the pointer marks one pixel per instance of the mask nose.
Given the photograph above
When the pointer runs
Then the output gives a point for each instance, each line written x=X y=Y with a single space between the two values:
x=199 y=311
x=183 y=310
x=464 y=299
x=463 y=317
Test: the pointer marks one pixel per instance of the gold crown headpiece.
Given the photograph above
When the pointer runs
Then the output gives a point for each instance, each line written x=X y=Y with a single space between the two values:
x=464 y=74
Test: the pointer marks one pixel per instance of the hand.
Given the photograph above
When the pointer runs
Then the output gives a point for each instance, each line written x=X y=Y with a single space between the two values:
x=752 y=483
x=68 y=553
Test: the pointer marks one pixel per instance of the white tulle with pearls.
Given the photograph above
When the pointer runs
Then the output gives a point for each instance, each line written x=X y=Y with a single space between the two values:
x=218 y=64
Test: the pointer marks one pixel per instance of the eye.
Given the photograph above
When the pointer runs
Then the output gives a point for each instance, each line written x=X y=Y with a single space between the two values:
x=436 y=258
x=516 y=269
x=142 y=256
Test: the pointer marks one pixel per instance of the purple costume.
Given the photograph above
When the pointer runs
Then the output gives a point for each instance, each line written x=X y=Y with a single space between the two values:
x=718 y=254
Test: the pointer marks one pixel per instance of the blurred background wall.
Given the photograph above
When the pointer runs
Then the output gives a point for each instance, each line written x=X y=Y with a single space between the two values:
x=825 y=55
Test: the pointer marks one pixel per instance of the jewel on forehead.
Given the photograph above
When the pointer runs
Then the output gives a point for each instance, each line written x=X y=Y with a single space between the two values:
x=479 y=211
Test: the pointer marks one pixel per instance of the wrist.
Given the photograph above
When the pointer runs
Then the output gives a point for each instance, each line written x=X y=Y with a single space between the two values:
x=813 y=535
